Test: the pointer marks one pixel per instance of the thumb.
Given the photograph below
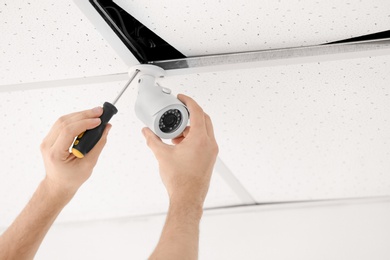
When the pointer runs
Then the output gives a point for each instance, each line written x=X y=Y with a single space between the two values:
x=153 y=141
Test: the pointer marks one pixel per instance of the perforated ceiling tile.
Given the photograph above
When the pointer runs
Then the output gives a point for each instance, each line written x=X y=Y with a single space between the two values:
x=47 y=40
x=210 y=27
x=125 y=181
x=297 y=132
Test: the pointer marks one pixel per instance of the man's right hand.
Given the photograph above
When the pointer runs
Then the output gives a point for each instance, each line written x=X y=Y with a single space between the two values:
x=186 y=166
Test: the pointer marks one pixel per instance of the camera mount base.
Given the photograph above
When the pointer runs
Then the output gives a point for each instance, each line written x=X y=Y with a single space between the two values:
x=146 y=69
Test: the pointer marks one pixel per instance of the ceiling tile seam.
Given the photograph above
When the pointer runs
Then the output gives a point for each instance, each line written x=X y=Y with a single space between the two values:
x=237 y=209
x=65 y=82
x=207 y=64
x=106 y=31
x=231 y=180
x=204 y=64
x=297 y=205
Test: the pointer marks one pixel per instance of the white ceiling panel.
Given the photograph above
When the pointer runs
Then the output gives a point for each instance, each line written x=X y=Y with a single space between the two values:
x=125 y=181
x=211 y=27
x=48 y=40
x=322 y=231
x=293 y=132
x=305 y=131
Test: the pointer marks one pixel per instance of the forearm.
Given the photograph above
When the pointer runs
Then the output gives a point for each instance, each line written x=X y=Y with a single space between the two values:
x=23 y=238
x=180 y=235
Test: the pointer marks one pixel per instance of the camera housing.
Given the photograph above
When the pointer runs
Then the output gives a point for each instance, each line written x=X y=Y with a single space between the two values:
x=156 y=107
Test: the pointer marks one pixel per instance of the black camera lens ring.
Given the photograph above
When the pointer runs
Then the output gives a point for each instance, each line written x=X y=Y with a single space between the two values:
x=170 y=121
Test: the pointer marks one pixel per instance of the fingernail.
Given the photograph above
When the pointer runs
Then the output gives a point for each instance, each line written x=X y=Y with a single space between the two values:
x=97 y=109
x=97 y=120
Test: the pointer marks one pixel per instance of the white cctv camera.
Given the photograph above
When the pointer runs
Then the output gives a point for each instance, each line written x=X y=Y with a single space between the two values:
x=163 y=113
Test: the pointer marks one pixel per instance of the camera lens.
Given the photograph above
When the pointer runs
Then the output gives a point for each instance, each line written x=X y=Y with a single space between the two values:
x=170 y=121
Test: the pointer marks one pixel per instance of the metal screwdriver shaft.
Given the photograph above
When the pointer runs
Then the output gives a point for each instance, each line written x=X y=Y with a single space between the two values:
x=88 y=139
x=125 y=87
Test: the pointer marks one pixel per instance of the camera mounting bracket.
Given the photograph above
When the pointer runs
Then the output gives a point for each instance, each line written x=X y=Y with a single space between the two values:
x=146 y=69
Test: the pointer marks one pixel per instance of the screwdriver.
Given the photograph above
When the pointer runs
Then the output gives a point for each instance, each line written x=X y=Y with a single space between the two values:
x=89 y=138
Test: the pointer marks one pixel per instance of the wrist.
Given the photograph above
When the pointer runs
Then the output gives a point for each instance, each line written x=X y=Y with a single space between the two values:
x=192 y=209
x=57 y=191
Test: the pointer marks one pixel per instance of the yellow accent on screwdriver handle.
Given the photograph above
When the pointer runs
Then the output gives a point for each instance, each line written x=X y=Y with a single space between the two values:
x=77 y=153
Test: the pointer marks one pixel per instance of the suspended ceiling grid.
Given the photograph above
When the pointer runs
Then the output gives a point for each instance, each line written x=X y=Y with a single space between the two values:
x=49 y=40
x=263 y=132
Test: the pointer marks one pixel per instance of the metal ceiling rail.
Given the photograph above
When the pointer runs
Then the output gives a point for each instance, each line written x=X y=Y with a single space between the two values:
x=65 y=82
x=231 y=180
x=234 y=61
x=276 y=57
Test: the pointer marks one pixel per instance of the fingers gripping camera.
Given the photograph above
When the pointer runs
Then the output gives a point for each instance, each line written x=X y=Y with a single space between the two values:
x=163 y=113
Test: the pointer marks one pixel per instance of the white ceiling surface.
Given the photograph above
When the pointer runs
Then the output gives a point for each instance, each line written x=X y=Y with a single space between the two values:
x=51 y=40
x=292 y=132
x=305 y=131
x=338 y=230
x=296 y=132
x=211 y=27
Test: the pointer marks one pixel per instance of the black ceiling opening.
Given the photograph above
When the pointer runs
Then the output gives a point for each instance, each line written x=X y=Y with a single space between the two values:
x=145 y=45
x=373 y=36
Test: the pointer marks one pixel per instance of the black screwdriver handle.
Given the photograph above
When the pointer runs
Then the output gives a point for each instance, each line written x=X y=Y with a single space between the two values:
x=88 y=139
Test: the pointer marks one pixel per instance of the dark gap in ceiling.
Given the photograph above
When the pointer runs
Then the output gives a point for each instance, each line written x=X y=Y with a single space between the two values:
x=145 y=45
x=373 y=36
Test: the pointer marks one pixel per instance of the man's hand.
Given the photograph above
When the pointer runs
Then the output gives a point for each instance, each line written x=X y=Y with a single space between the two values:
x=186 y=167
x=64 y=175
x=64 y=171
x=185 y=170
